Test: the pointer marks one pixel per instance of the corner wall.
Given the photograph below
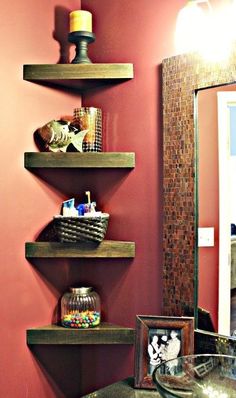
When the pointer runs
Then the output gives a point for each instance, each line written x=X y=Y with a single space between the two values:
x=133 y=31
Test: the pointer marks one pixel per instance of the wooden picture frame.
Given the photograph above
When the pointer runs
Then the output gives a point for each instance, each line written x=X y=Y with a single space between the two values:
x=151 y=350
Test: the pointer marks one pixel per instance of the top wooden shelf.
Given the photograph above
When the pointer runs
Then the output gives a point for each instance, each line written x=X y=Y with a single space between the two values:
x=79 y=76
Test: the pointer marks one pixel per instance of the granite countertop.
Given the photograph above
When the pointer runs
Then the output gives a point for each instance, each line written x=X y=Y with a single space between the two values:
x=123 y=389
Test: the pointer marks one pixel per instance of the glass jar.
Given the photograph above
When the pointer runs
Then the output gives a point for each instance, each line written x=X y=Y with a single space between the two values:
x=80 y=308
x=89 y=119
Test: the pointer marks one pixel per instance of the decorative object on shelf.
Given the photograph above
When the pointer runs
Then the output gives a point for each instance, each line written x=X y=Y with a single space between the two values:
x=212 y=376
x=80 y=308
x=159 y=338
x=80 y=20
x=82 y=223
x=57 y=135
x=81 y=35
x=89 y=119
x=81 y=132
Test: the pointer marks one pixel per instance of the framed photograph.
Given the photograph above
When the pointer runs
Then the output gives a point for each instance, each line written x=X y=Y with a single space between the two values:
x=158 y=339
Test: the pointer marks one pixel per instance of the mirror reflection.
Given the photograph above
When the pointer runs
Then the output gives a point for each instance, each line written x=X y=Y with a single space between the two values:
x=217 y=206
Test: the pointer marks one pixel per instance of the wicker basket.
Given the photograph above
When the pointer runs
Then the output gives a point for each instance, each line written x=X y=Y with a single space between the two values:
x=82 y=228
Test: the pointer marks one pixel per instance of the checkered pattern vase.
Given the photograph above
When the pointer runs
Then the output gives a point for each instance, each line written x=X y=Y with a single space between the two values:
x=89 y=118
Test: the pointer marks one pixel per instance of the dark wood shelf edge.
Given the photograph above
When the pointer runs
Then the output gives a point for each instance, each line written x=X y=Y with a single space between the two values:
x=79 y=160
x=106 y=249
x=82 y=77
x=106 y=333
x=102 y=71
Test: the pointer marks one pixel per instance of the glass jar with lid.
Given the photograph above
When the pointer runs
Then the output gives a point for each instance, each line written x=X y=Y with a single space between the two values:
x=80 y=308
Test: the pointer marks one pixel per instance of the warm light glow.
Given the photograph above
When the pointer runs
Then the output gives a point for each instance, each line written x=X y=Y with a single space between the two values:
x=190 y=28
x=203 y=30
x=218 y=40
x=231 y=17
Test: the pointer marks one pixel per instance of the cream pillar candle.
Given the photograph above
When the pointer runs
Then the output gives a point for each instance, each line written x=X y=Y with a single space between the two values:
x=80 y=20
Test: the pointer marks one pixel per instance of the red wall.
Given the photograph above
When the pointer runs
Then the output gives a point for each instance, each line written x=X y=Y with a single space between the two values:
x=135 y=31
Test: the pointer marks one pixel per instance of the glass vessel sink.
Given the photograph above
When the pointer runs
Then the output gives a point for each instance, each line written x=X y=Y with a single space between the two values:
x=197 y=376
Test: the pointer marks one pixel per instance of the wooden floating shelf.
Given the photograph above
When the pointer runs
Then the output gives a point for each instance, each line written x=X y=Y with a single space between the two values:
x=106 y=249
x=104 y=334
x=73 y=75
x=79 y=160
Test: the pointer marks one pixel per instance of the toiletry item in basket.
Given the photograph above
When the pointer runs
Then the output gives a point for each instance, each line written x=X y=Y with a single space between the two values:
x=88 y=209
x=68 y=208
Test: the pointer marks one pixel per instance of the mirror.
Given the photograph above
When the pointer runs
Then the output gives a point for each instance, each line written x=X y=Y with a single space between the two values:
x=182 y=79
x=217 y=211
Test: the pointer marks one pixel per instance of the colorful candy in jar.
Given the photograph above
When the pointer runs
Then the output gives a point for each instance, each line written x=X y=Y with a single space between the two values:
x=85 y=319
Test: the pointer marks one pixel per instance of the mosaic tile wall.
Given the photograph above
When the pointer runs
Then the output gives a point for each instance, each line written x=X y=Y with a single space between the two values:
x=182 y=76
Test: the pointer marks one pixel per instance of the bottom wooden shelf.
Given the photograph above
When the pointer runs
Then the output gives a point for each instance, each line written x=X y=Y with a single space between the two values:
x=105 y=333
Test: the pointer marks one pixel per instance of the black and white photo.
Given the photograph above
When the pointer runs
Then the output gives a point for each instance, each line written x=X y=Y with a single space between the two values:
x=160 y=339
x=164 y=344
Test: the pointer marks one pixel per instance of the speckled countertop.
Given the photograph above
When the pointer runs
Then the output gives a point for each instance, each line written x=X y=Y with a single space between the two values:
x=123 y=389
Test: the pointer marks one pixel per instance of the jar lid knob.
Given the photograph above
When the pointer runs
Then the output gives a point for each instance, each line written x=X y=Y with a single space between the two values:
x=81 y=290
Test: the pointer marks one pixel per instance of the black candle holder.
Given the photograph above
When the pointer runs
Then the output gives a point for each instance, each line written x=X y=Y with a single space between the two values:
x=81 y=39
